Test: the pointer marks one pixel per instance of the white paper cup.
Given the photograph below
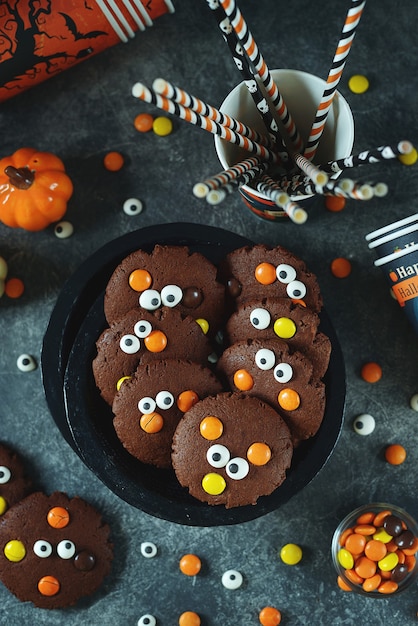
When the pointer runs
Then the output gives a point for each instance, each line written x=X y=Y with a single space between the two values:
x=391 y=228
x=302 y=93
x=395 y=241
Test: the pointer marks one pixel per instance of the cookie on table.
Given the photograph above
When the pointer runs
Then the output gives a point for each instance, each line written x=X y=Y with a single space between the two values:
x=53 y=550
x=15 y=483
x=141 y=337
x=231 y=449
x=169 y=276
x=148 y=406
x=287 y=381
x=259 y=271
x=272 y=318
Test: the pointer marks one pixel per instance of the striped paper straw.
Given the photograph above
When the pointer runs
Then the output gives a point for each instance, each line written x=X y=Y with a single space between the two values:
x=376 y=155
x=201 y=189
x=148 y=95
x=215 y=196
x=340 y=57
x=172 y=92
x=318 y=176
x=272 y=190
x=245 y=37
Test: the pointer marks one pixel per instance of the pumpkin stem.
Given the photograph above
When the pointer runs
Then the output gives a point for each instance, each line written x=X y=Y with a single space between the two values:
x=20 y=177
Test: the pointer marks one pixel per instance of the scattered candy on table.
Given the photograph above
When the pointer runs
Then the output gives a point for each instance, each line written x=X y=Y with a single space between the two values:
x=148 y=549
x=189 y=618
x=395 y=454
x=358 y=83
x=162 y=126
x=26 y=363
x=113 y=161
x=132 y=206
x=190 y=564
x=410 y=158
x=414 y=402
x=232 y=579
x=341 y=267
x=147 y=620
x=364 y=424
x=335 y=203
x=63 y=230
x=291 y=554
x=143 y=122
x=269 y=616
x=14 y=288
x=371 y=372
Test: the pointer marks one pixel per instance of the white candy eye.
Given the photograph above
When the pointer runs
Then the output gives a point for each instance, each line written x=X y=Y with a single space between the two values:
x=142 y=329
x=132 y=206
x=63 y=230
x=164 y=399
x=285 y=273
x=129 y=344
x=364 y=424
x=5 y=474
x=283 y=372
x=232 y=579
x=296 y=289
x=66 y=549
x=217 y=455
x=260 y=318
x=146 y=405
x=26 y=363
x=265 y=359
x=147 y=620
x=148 y=549
x=171 y=295
x=237 y=468
x=150 y=299
x=42 y=548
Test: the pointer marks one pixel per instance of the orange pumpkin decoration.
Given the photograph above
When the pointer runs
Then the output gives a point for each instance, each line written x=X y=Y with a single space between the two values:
x=34 y=189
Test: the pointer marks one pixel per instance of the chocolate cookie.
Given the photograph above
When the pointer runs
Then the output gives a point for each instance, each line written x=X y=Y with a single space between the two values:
x=141 y=337
x=256 y=272
x=15 y=484
x=285 y=380
x=149 y=405
x=169 y=276
x=281 y=318
x=231 y=449
x=53 y=550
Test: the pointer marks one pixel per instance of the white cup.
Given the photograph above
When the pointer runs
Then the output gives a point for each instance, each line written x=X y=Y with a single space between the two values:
x=302 y=93
x=392 y=228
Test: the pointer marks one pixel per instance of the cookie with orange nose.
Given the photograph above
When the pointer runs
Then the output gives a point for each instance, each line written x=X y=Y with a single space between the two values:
x=54 y=550
x=15 y=483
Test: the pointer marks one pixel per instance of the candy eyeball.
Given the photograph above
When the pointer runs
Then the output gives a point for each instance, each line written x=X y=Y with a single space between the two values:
x=3 y=268
x=42 y=549
x=132 y=206
x=232 y=579
x=148 y=549
x=285 y=273
x=147 y=620
x=63 y=230
x=5 y=474
x=26 y=363
x=414 y=402
x=260 y=318
x=66 y=549
x=364 y=424
x=150 y=299
x=129 y=344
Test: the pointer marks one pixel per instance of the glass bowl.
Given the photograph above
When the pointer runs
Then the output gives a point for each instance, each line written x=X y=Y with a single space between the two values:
x=374 y=550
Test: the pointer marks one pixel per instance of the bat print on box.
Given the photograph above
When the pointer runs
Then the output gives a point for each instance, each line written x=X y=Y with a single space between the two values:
x=267 y=369
x=231 y=449
x=15 y=484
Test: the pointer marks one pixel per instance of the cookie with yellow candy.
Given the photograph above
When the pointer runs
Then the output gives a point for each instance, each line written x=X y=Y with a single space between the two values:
x=230 y=449
x=286 y=380
x=15 y=483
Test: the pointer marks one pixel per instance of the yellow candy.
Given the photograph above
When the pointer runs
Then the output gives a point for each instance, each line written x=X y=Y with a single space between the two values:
x=3 y=505
x=410 y=158
x=213 y=484
x=284 y=328
x=291 y=554
x=120 y=381
x=14 y=551
x=204 y=324
x=382 y=535
x=358 y=83
x=162 y=126
x=388 y=562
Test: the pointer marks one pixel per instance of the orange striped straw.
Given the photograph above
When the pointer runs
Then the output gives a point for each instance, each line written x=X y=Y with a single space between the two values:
x=248 y=43
x=201 y=189
x=344 y=45
x=319 y=177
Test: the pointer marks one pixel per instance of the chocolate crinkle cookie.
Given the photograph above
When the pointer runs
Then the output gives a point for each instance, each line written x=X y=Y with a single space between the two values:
x=15 y=483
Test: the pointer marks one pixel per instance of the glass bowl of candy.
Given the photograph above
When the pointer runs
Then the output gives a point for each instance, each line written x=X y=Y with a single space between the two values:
x=374 y=550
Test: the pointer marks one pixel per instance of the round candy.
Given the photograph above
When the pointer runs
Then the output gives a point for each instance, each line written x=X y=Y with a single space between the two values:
x=63 y=230
x=14 y=551
x=3 y=268
x=143 y=122
x=358 y=83
x=162 y=126
x=395 y=454
x=291 y=554
x=113 y=161
x=335 y=203
x=270 y=616
x=340 y=267
x=14 y=288
x=345 y=558
x=147 y=620
x=410 y=158
x=132 y=206
x=26 y=363
x=232 y=579
x=189 y=618
x=211 y=428
x=243 y=380
x=190 y=564
x=364 y=424
x=148 y=549
x=284 y=327
x=371 y=372
x=213 y=484
x=48 y=586
x=414 y=402
x=58 y=517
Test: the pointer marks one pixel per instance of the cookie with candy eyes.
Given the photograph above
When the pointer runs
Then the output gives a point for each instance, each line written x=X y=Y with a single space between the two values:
x=148 y=406
x=141 y=337
x=256 y=272
x=231 y=449
x=15 y=484
x=280 y=318
x=53 y=550
x=170 y=276
x=287 y=381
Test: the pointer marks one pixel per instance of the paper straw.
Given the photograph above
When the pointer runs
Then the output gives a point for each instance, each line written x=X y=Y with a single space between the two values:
x=272 y=190
x=319 y=177
x=340 y=57
x=246 y=39
x=148 y=95
x=172 y=92
x=376 y=155
x=201 y=189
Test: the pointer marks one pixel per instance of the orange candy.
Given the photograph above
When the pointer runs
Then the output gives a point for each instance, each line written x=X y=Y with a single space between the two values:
x=211 y=428
x=395 y=454
x=372 y=583
x=371 y=372
x=335 y=203
x=243 y=380
x=375 y=550
x=270 y=616
x=113 y=161
x=14 y=288
x=265 y=273
x=48 y=586
x=364 y=567
x=365 y=529
x=151 y=422
x=190 y=564
x=189 y=618
x=186 y=400
x=340 y=267
x=388 y=586
x=139 y=280
x=342 y=584
x=143 y=122
x=380 y=517
x=289 y=399
x=259 y=454
x=367 y=518
x=58 y=517
x=156 y=341
x=355 y=543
